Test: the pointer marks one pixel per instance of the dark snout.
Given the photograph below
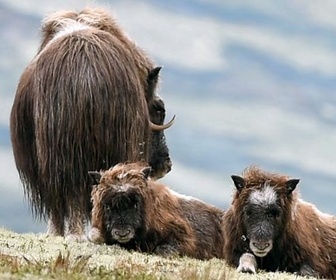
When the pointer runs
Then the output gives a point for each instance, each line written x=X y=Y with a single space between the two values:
x=261 y=246
x=159 y=160
x=122 y=235
x=160 y=167
x=260 y=233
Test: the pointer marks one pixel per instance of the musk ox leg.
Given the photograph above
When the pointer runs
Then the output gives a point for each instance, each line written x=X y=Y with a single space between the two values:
x=247 y=263
x=307 y=270
x=76 y=226
x=166 y=250
x=55 y=225
x=95 y=236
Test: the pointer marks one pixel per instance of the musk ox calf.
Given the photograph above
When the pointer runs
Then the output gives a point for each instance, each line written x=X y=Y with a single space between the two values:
x=140 y=214
x=269 y=227
x=87 y=100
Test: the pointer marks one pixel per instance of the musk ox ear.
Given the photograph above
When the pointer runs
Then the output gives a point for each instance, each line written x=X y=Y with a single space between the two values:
x=154 y=74
x=152 y=80
x=291 y=185
x=239 y=182
x=95 y=177
x=145 y=171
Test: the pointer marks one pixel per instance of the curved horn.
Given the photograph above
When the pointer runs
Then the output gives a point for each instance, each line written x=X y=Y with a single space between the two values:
x=159 y=127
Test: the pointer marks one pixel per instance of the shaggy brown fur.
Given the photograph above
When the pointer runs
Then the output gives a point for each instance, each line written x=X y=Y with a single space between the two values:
x=82 y=103
x=303 y=238
x=157 y=220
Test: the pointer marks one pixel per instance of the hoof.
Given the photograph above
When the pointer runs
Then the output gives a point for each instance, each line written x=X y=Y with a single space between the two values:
x=247 y=264
x=250 y=270
x=95 y=236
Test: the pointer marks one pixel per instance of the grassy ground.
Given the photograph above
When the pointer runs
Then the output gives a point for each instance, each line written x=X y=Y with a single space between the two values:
x=30 y=256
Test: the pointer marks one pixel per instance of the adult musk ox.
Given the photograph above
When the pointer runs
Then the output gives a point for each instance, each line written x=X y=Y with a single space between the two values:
x=87 y=100
x=270 y=227
x=142 y=214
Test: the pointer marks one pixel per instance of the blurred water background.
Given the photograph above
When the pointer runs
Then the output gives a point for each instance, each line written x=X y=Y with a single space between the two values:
x=251 y=82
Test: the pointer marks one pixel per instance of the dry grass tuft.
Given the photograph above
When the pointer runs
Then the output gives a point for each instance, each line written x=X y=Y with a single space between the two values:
x=30 y=256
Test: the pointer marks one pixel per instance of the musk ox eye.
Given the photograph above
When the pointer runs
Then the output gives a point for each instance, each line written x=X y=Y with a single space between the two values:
x=108 y=208
x=248 y=213
x=273 y=213
x=159 y=108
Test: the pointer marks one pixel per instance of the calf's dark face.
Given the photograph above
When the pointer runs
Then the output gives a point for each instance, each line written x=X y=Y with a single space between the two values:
x=263 y=216
x=159 y=158
x=123 y=215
